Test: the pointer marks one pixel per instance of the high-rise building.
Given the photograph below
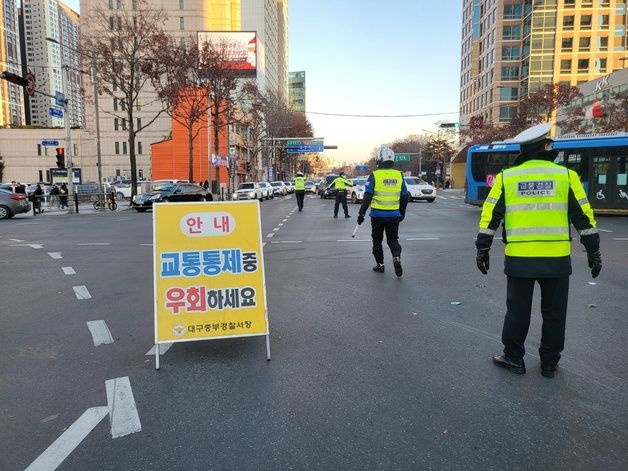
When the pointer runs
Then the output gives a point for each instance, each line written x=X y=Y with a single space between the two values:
x=47 y=60
x=11 y=95
x=513 y=47
x=282 y=46
x=297 y=91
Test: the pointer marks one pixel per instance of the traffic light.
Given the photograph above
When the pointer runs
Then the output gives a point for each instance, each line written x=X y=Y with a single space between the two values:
x=60 y=157
x=14 y=78
x=249 y=166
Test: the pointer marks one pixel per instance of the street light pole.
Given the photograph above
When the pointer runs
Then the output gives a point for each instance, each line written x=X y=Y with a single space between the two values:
x=94 y=77
x=67 y=90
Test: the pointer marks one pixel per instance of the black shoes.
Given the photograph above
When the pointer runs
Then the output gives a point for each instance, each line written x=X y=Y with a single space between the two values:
x=379 y=268
x=548 y=371
x=347 y=215
x=397 y=264
x=335 y=216
x=516 y=366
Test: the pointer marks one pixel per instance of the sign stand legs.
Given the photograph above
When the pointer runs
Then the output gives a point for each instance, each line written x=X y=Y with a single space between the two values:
x=268 y=346
x=156 y=356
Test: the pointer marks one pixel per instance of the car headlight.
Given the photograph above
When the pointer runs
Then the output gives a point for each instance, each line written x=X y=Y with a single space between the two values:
x=137 y=199
x=155 y=198
x=251 y=194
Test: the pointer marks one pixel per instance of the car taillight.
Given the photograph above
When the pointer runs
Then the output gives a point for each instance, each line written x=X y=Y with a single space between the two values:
x=17 y=197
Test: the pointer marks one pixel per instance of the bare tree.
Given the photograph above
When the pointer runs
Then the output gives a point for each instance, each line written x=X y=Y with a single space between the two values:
x=122 y=44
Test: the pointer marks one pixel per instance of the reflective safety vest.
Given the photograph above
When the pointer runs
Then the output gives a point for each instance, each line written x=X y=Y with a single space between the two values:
x=536 y=219
x=341 y=183
x=299 y=183
x=387 y=191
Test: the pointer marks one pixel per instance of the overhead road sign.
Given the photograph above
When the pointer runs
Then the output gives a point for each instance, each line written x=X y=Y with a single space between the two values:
x=361 y=168
x=303 y=148
x=402 y=157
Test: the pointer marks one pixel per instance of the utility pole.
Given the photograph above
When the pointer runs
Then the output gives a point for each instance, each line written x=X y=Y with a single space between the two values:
x=67 y=88
x=94 y=77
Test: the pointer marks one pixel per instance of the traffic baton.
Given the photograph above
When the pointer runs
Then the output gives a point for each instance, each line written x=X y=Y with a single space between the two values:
x=357 y=226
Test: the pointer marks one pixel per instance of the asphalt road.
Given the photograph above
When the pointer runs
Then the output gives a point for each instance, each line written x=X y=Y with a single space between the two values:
x=369 y=371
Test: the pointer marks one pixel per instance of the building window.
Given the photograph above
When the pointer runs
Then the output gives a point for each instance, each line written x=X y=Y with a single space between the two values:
x=39 y=149
x=124 y=147
x=583 y=65
x=115 y=124
x=584 y=44
x=123 y=122
x=603 y=20
x=115 y=104
x=139 y=148
x=585 y=22
x=507 y=113
x=568 y=22
x=74 y=150
x=511 y=53
x=508 y=94
x=510 y=72
x=511 y=32
x=117 y=146
x=111 y=23
x=600 y=65
x=587 y=3
x=181 y=23
x=512 y=12
x=602 y=43
x=570 y=3
x=567 y=44
x=139 y=124
x=111 y=4
x=181 y=6
x=565 y=65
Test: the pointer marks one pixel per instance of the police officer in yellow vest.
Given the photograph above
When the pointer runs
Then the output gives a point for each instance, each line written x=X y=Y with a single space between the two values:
x=388 y=197
x=299 y=189
x=536 y=200
x=341 y=184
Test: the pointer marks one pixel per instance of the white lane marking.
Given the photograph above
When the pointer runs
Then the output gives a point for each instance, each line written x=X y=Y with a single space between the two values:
x=16 y=240
x=36 y=246
x=27 y=224
x=121 y=219
x=423 y=238
x=146 y=245
x=284 y=220
x=603 y=230
x=620 y=238
x=443 y=197
x=94 y=243
x=81 y=292
x=280 y=224
x=68 y=270
x=272 y=234
x=55 y=255
x=353 y=240
x=275 y=229
x=287 y=242
x=163 y=348
x=122 y=411
x=101 y=335
x=61 y=448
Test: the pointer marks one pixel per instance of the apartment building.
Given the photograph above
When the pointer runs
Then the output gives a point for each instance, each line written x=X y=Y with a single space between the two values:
x=11 y=95
x=297 y=91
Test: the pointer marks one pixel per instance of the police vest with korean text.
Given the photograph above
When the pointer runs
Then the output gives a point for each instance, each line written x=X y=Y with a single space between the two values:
x=536 y=221
x=299 y=183
x=340 y=183
x=387 y=191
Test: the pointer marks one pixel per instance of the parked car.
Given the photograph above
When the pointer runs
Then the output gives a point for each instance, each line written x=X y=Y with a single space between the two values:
x=170 y=192
x=324 y=190
x=12 y=204
x=310 y=186
x=279 y=188
x=248 y=191
x=267 y=190
x=355 y=193
x=289 y=186
x=420 y=190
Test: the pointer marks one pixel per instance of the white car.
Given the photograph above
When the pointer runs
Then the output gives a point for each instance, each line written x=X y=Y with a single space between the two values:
x=289 y=186
x=355 y=193
x=420 y=190
x=248 y=191
x=279 y=188
x=267 y=190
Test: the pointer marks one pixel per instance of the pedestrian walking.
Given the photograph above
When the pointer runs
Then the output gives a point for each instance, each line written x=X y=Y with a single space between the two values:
x=54 y=195
x=341 y=184
x=205 y=185
x=536 y=200
x=388 y=197
x=299 y=189
x=63 y=196
x=38 y=197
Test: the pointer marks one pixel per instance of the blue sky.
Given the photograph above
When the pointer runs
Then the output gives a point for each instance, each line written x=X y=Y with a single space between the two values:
x=374 y=57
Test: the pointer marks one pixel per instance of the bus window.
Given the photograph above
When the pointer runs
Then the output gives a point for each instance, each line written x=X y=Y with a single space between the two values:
x=573 y=161
x=490 y=163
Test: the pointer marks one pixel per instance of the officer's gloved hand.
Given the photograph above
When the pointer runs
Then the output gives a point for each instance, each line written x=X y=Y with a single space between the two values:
x=595 y=263
x=360 y=218
x=482 y=260
x=403 y=216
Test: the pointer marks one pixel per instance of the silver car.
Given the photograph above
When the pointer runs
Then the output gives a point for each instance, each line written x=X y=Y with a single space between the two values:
x=12 y=204
x=248 y=191
x=267 y=190
x=420 y=190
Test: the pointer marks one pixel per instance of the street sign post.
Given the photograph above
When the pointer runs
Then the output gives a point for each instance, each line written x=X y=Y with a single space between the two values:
x=60 y=99
x=402 y=157
x=50 y=143
x=55 y=113
x=208 y=272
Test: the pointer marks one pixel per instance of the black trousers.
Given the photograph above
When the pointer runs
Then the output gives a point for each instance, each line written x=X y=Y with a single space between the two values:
x=391 y=227
x=554 y=295
x=300 y=194
x=341 y=197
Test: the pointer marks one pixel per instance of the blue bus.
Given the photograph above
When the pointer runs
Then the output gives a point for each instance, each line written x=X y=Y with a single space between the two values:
x=601 y=160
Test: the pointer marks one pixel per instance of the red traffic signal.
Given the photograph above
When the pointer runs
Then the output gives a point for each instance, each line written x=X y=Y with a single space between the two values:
x=60 y=157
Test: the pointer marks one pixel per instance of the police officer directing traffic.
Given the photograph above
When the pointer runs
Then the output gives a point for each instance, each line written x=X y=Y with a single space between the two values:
x=388 y=197
x=299 y=189
x=341 y=184
x=536 y=200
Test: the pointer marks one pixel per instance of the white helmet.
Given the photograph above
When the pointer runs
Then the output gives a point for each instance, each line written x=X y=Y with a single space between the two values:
x=385 y=154
x=299 y=174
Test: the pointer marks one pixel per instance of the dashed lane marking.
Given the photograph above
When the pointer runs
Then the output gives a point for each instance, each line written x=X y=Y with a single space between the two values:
x=55 y=255
x=272 y=234
x=275 y=229
x=603 y=230
x=423 y=238
x=94 y=243
x=122 y=410
x=16 y=240
x=286 y=242
x=68 y=270
x=353 y=240
x=146 y=245
x=32 y=246
x=101 y=335
x=81 y=292
x=620 y=238
x=163 y=348
x=280 y=224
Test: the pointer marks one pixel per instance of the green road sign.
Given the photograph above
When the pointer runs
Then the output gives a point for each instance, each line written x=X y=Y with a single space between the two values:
x=402 y=157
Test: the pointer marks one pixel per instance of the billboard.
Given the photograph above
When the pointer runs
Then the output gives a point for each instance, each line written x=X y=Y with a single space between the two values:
x=240 y=49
